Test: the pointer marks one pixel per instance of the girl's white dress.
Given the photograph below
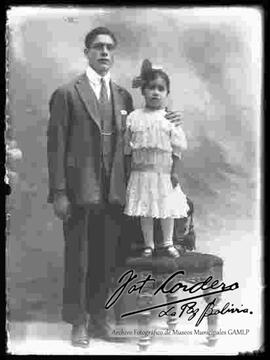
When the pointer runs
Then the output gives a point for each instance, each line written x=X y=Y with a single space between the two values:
x=151 y=140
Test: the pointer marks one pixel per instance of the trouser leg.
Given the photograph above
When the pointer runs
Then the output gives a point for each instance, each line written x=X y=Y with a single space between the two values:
x=75 y=258
x=104 y=260
x=94 y=256
x=84 y=283
x=95 y=286
x=117 y=246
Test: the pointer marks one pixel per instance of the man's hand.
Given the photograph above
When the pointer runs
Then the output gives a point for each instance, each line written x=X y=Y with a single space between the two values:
x=175 y=117
x=174 y=179
x=61 y=206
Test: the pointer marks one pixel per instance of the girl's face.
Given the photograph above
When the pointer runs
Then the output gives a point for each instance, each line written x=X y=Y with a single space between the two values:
x=156 y=93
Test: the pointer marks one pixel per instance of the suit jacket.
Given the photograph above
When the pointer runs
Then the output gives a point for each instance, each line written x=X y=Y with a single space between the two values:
x=74 y=143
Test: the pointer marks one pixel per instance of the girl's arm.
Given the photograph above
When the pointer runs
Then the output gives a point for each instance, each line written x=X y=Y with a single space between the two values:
x=178 y=140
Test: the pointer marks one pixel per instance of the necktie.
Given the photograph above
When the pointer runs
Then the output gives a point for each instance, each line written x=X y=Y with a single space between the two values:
x=106 y=128
x=103 y=98
x=103 y=102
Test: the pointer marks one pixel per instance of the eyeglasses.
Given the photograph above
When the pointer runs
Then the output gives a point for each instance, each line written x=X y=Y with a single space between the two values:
x=101 y=46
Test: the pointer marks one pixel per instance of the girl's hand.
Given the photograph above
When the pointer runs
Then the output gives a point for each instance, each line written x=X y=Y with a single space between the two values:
x=174 y=179
x=174 y=117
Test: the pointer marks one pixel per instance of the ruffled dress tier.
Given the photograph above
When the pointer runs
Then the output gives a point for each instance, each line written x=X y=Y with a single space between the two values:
x=151 y=140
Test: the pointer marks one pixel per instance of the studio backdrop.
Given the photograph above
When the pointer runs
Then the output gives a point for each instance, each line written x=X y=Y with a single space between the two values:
x=213 y=58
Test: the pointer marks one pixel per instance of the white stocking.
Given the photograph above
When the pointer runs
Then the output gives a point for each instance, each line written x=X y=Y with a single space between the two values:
x=148 y=231
x=167 y=226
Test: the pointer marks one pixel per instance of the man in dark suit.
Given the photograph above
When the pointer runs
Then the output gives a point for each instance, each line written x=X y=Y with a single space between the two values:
x=87 y=183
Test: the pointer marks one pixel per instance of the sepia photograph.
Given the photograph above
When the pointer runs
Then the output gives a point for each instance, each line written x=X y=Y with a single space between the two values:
x=133 y=153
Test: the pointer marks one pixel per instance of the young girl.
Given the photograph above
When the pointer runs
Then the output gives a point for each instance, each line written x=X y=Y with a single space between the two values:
x=153 y=146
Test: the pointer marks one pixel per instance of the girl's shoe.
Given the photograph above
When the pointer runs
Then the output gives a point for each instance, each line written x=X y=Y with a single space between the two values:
x=169 y=251
x=147 y=252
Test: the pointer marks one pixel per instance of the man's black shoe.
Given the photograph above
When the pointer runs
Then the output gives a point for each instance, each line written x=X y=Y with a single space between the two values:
x=79 y=336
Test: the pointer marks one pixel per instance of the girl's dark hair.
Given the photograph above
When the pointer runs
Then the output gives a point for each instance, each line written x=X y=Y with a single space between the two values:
x=153 y=74
x=90 y=37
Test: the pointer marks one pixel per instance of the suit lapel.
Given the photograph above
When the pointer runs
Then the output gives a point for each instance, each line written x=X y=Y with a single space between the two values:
x=117 y=102
x=89 y=99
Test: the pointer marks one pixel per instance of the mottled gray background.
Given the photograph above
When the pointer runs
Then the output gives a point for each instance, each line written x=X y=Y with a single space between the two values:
x=213 y=57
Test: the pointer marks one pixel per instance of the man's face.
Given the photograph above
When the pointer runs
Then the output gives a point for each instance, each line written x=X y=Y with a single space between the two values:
x=100 y=54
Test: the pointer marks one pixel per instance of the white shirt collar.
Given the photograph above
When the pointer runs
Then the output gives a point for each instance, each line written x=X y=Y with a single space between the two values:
x=94 y=77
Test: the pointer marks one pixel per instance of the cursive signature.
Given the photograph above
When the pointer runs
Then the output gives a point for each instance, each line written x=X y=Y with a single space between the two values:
x=129 y=286
x=192 y=309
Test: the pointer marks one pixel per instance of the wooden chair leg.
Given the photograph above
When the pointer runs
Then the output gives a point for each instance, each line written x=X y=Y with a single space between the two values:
x=212 y=320
x=144 y=337
x=172 y=320
x=144 y=299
